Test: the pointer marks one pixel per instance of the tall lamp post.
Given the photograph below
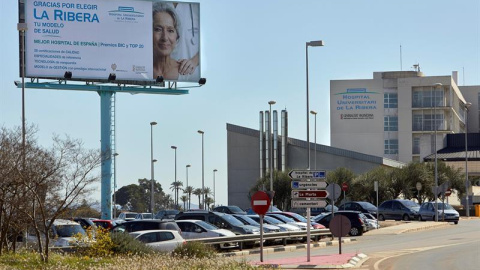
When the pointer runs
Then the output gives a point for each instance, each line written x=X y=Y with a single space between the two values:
x=437 y=86
x=270 y=154
x=176 y=190
x=467 y=205
x=315 y=114
x=186 y=167
x=203 y=179
x=152 y=202
x=317 y=43
x=114 y=184
x=214 y=171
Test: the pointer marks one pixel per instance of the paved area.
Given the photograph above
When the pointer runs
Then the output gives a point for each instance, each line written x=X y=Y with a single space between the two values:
x=339 y=261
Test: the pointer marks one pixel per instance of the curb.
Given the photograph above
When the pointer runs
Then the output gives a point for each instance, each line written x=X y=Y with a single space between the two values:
x=285 y=248
x=355 y=261
x=432 y=226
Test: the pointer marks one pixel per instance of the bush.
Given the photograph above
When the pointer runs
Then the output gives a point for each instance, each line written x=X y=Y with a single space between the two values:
x=125 y=244
x=97 y=243
x=194 y=250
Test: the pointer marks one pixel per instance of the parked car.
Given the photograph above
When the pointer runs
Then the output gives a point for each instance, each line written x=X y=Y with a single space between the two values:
x=271 y=209
x=86 y=223
x=221 y=220
x=357 y=221
x=427 y=212
x=364 y=207
x=229 y=209
x=194 y=229
x=167 y=214
x=300 y=218
x=318 y=211
x=161 y=240
x=301 y=225
x=144 y=216
x=267 y=228
x=63 y=232
x=126 y=216
x=145 y=225
x=284 y=227
x=105 y=223
x=372 y=222
x=398 y=210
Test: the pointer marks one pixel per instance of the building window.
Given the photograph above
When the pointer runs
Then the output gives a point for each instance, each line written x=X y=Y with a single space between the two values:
x=390 y=100
x=427 y=122
x=390 y=123
x=391 y=147
x=427 y=97
x=416 y=146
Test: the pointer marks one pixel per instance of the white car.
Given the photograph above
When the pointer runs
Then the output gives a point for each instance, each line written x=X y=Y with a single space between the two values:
x=194 y=229
x=161 y=240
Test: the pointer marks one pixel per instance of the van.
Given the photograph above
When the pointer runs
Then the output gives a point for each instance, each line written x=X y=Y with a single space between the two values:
x=63 y=232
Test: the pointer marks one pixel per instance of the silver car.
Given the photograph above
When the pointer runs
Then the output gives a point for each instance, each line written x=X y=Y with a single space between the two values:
x=445 y=212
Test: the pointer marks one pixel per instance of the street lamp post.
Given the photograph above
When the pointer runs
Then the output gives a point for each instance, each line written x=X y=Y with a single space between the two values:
x=315 y=114
x=114 y=184
x=188 y=166
x=214 y=171
x=22 y=27
x=317 y=43
x=272 y=102
x=437 y=86
x=467 y=205
x=203 y=179
x=176 y=190
x=152 y=202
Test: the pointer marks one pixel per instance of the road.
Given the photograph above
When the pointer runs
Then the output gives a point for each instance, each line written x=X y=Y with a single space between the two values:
x=450 y=247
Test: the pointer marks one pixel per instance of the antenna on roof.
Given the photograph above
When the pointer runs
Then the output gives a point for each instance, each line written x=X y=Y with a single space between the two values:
x=417 y=67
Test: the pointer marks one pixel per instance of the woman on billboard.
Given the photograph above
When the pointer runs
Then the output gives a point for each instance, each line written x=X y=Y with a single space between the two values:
x=166 y=35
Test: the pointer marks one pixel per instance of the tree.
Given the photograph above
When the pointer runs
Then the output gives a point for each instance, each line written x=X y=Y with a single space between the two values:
x=139 y=195
x=281 y=186
x=175 y=187
x=184 y=199
x=206 y=192
x=189 y=191
x=198 y=192
x=209 y=202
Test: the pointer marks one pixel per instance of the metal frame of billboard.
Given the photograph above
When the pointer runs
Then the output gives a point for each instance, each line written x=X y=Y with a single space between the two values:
x=172 y=84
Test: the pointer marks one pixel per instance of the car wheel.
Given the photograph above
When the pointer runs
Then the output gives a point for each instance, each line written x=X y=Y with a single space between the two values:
x=354 y=231
x=381 y=217
x=455 y=222
x=420 y=218
x=406 y=217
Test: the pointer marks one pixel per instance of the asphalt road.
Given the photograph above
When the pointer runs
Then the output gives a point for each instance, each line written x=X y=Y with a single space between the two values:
x=450 y=247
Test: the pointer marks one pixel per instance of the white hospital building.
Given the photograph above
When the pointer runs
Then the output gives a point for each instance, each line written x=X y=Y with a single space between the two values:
x=396 y=114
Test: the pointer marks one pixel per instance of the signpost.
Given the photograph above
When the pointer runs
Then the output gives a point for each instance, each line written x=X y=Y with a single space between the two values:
x=307 y=174
x=260 y=204
x=313 y=194
x=309 y=185
x=344 y=188
x=340 y=226
x=308 y=204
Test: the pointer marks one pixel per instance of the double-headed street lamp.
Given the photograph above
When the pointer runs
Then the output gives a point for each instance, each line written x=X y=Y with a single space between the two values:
x=175 y=187
x=152 y=202
x=203 y=179
x=214 y=171
x=315 y=114
x=270 y=135
x=317 y=43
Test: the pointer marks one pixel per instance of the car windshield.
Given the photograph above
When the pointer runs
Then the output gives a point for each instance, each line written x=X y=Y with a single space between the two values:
x=171 y=212
x=147 y=216
x=299 y=217
x=410 y=204
x=236 y=209
x=447 y=206
x=206 y=225
x=130 y=215
x=69 y=230
x=248 y=220
x=271 y=220
x=367 y=205
x=283 y=218
x=233 y=221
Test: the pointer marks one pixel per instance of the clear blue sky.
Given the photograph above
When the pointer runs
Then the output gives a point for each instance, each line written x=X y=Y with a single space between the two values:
x=252 y=52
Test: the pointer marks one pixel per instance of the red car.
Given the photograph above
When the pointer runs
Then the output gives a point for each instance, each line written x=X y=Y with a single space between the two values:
x=104 y=223
x=300 y=218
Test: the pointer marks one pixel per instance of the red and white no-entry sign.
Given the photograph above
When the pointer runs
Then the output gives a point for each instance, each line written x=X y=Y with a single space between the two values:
x=260 y=202
x=344 y=186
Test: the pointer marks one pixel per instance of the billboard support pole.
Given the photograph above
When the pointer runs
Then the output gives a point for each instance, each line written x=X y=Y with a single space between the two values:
x=106 y=147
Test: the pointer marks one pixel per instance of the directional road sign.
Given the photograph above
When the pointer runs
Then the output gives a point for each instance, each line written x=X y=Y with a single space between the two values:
x=308 y=204
x=317 y=194
x=307 y=174
x=308 y=185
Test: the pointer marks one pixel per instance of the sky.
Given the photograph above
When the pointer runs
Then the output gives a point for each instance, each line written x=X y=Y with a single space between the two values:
x=252 y=52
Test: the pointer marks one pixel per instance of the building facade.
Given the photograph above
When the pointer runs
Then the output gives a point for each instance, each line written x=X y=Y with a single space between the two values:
x=400 y=115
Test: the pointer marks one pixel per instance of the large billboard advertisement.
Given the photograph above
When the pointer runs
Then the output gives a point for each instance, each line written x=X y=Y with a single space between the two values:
x=136 y=40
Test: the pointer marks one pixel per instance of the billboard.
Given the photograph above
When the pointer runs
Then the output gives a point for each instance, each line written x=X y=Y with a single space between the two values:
x=136 y=40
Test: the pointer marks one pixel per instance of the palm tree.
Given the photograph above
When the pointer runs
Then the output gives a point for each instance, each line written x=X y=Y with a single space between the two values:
x=189 y=191
x=198 y=192
x=209 y=201
x=167 y=199
x=175 y=186
x=178 y=185
x=206 y=191
x=184 y=199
